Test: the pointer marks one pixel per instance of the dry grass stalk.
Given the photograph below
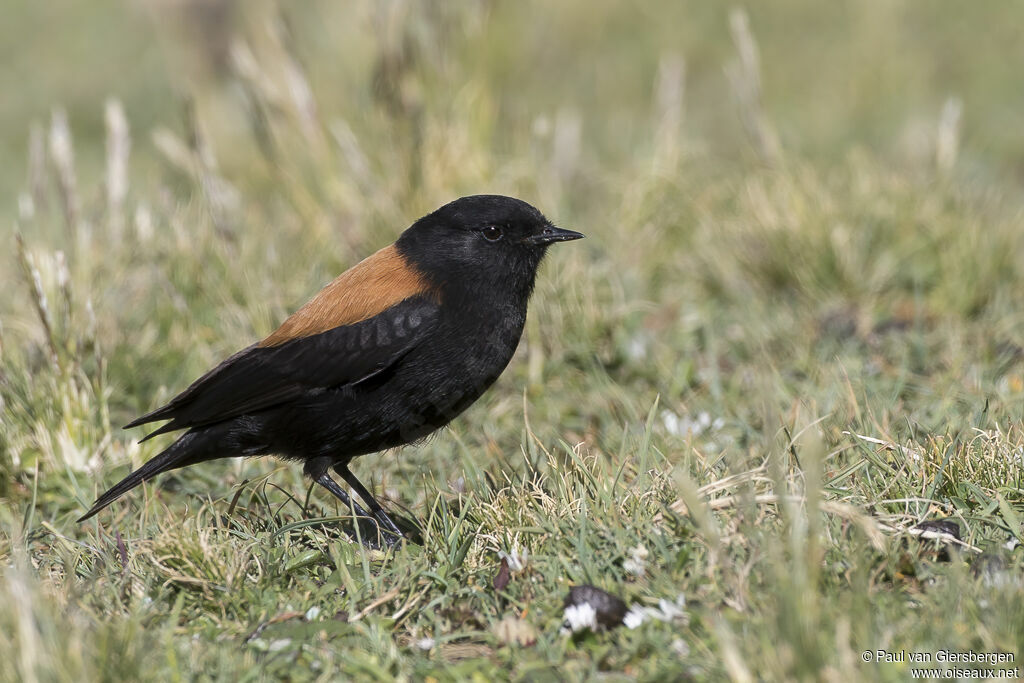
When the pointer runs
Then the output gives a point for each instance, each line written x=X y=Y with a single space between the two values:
x=118 y=147
x=745 y=77
x=669 y=94
x=63 y=158
x=300 y=94
x=32 y=277
x=947 y=140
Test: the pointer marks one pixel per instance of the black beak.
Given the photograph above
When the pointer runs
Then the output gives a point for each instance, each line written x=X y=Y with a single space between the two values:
x=551 y=234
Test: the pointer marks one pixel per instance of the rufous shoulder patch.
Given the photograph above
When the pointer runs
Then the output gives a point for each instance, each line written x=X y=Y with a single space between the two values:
x=374 y=284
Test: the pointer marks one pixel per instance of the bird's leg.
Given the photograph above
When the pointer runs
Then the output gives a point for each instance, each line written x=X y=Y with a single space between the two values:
x=332 y=486
x=378 y=512
x=386 y=532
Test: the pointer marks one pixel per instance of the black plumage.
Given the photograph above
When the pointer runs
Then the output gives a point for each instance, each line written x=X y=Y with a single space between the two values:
x=393 y=349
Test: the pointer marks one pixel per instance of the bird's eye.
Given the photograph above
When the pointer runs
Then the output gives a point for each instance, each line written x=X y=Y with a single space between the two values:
x=492 y=233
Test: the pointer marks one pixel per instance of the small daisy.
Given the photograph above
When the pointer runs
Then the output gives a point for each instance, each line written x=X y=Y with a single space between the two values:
x=690 y=426
x=579 y=618
x=665 y=611
x=425 y=644
x=636 y=616
x=636 y=563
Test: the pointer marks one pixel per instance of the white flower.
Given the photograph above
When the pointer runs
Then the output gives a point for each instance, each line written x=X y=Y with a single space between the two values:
x=516 y=560
x=312 y=613
x=671 y=422
x=636 y=563
x=669 y=611
x=635 y=616
x=425 y=644
x=633 y=567
x=665 y=611
x=690 y=426
x=580 y=617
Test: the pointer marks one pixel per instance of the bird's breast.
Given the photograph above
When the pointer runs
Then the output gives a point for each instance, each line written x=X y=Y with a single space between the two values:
x=472 y=347
x=466 y=356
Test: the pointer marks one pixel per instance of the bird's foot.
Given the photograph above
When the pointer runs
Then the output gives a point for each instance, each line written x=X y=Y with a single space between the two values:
x=376 y=535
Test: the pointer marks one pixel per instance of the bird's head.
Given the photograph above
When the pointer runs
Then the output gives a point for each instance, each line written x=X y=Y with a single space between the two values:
x=481 y=240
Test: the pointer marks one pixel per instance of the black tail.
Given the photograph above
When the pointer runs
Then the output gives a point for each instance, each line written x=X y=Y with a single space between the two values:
x=179 y=454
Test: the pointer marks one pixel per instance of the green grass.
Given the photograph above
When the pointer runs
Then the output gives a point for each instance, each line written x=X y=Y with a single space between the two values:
x=765 y=365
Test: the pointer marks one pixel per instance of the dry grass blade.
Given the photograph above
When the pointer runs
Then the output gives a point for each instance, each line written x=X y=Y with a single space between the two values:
x=31 y=276
x=745 y=77
x=63 y=158
x=383 y=599
x=118 y=148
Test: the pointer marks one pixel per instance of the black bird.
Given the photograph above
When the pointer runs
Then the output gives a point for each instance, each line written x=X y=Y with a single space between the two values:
x=391 y=350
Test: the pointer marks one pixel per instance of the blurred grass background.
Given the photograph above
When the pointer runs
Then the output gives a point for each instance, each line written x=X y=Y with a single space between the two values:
x=792 y=335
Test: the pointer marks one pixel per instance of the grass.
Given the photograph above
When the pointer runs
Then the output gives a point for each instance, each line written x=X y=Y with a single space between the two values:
x=792 y=335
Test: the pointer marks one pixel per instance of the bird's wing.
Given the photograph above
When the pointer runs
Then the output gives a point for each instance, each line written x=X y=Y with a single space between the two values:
x=265 y=375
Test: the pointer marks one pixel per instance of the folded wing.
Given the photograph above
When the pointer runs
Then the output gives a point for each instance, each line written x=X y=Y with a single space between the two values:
x=262 y=375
